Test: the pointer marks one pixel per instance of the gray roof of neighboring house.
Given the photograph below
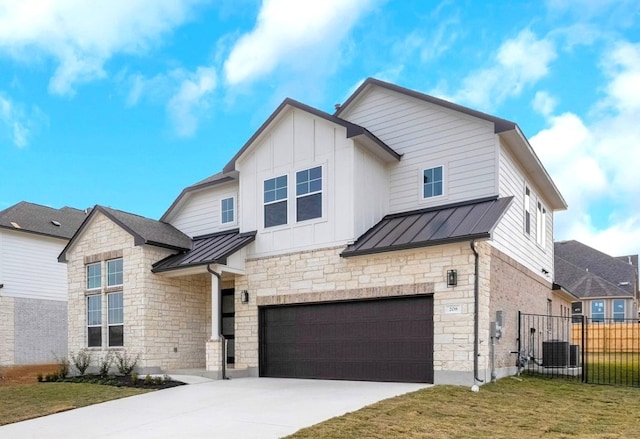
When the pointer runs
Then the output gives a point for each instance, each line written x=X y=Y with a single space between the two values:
x=353 y=130
x=433 y=226
x=144 y=230
x=588 y=272
x=208 y=249
x=42 y=220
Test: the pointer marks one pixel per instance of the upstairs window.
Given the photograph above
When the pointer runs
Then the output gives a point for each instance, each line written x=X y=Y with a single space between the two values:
x=275 y=201
x=527 y=211
x=309 y=194
x=618 y=310
x=597 y=311
x=115 y=319
x=94 y=276
x=114 y=272
x=432 y=182
x=227 y=211
x=541 y=225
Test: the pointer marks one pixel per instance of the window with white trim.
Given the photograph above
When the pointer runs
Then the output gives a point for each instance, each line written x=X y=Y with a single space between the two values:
x=275 y=201
x=618 y=310
x=541 y=225
x=527 y=211
x=115 y=321
x=309 y=194
x=114 y=272
x=94 y=320
x=432 y=182
x=597 y=311
x=94 y=276
x=227 y=211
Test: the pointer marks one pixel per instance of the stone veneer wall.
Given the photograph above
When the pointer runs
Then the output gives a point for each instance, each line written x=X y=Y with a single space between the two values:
x=320 y=275
x=6 y=331
x=514 y=288
x=165 y=318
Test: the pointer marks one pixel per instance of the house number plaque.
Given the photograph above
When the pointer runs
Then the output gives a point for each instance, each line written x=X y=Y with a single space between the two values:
x=452 y=309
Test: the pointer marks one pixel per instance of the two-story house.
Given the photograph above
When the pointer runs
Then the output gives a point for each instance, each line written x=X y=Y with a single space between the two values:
x=33 y=285
x=376 y=243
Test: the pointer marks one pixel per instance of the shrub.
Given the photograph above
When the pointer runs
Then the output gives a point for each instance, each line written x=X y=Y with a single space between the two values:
x=126 y=363
x=157 y=381
x=51 y=377
x=134 y=378
x=40 y=377
x=105 y=363
x=81 y=360
x=148 y=380
x=63 y=366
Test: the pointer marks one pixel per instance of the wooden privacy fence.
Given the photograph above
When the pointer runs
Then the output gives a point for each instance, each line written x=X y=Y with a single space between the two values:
x=623 y=337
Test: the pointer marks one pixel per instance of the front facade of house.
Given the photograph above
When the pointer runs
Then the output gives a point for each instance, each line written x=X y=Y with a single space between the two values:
x=33 y=286
x=378 y=243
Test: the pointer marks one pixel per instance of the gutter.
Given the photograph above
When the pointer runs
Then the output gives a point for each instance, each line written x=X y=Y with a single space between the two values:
x=476 y=321
x=222 y=339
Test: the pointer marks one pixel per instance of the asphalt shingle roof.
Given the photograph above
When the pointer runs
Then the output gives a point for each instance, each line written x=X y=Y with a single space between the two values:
x=42 y=220
x=576 y=264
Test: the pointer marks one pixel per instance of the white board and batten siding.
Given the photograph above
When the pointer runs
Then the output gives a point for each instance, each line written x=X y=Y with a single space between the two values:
x=29 y=266
x=296 y=141
x=509 y=235
x=200 y=214
x=427 y=136
x=371 y=190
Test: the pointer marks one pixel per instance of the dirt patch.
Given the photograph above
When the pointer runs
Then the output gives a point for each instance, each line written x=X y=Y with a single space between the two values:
x=16 y=375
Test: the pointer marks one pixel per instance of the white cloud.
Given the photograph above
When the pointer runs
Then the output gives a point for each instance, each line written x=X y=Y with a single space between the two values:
x=82 y=35
x=187 y=95
x=544 y=103
x=16 y=123
x=192 y=97
x=595 y=160
x=305 y=33
x=519 y=62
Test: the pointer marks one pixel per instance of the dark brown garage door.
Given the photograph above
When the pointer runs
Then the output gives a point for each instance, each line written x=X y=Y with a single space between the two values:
x=369 y=340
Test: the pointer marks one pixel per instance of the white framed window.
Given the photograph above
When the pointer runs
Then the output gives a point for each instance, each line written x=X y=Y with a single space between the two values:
x=527 y=211
x=94 y=320
x=115 y=321
x=541 y=225
x=433 y=182
x=114 y=272
x=275 y=201
x=94 y=276
x=227 y=210
x=309 y=194
x=597 y=311
x=619 y=310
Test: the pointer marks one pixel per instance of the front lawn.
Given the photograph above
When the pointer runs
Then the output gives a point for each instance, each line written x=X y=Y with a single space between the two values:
x=26 y=401
x=510 y=408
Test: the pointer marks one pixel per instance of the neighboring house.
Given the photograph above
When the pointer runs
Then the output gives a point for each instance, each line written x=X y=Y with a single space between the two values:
x=377 y=243
x=33 y=286
x=607 y=286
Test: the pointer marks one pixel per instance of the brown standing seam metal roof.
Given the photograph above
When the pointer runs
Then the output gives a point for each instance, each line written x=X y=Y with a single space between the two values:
x=500 y=124
x=42 y=220
x=353 y=130
x=433 y=226
x=208 y=249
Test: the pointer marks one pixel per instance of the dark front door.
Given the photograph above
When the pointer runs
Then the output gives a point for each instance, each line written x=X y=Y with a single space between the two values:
x=370 y=340
x=229 y=322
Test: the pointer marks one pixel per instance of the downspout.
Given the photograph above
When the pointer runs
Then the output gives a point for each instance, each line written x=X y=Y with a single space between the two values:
x=222 y=339
x=476 y=320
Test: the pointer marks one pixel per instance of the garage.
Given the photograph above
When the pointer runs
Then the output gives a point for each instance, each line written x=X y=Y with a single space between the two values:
x=388 y=339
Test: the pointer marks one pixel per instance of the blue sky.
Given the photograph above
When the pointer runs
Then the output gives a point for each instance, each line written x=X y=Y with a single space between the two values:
x=125 y=102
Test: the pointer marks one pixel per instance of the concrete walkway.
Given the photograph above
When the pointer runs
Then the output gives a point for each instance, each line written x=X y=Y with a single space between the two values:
x=238 y=408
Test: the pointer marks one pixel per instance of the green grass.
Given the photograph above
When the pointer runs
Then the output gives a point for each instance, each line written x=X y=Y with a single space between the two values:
x=27 y=401
x=613 y=368
x=530 y=407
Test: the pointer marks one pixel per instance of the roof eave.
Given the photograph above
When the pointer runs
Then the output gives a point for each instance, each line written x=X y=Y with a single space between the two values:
x=477 y=236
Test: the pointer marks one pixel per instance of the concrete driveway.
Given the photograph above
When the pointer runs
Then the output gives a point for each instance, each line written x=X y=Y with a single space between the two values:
x=237 y=408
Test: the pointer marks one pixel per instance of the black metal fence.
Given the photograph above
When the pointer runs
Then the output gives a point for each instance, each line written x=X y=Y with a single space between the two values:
x=598 y=351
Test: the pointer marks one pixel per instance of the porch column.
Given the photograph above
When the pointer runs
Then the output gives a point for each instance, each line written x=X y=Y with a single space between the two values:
x=215 y=307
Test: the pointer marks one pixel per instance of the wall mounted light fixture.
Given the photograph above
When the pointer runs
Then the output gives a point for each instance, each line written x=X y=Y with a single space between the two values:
x=244 y=296
x=452 y=278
